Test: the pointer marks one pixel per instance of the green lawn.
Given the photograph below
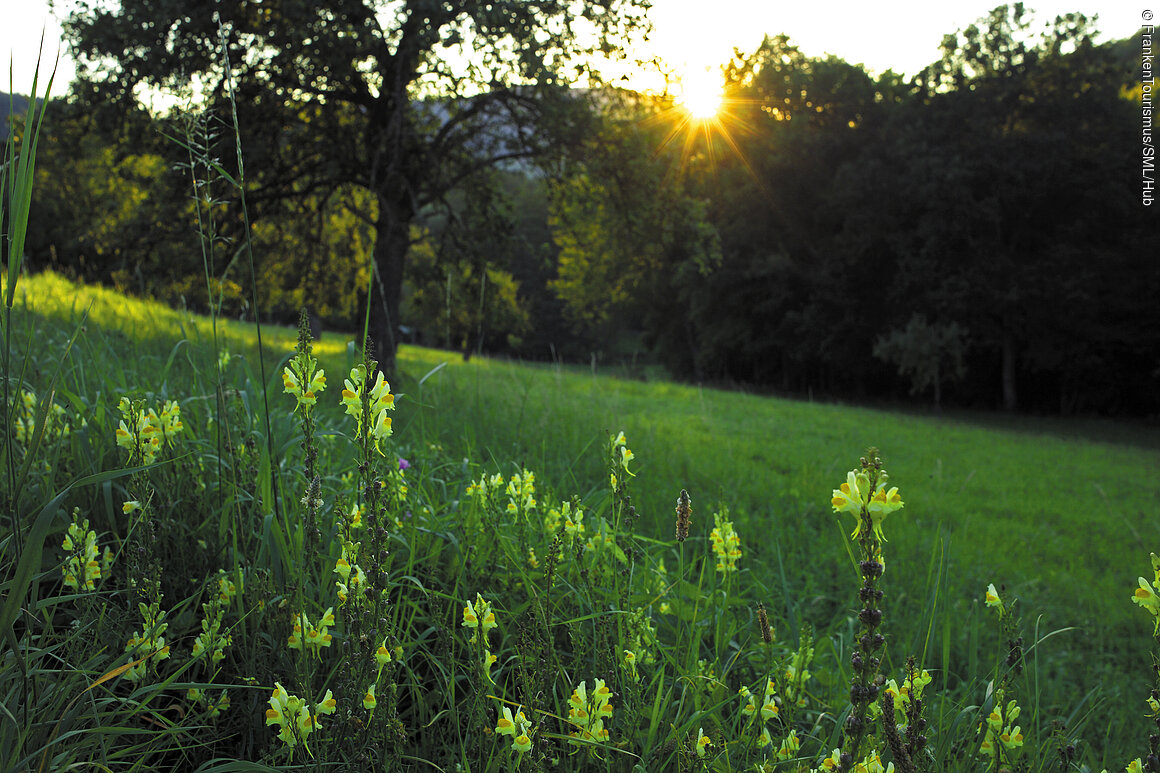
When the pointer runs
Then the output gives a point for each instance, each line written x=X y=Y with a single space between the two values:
x=1062 y=513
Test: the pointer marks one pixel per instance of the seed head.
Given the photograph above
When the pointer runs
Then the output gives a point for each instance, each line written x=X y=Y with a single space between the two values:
x=763 y=624
x=684 y=515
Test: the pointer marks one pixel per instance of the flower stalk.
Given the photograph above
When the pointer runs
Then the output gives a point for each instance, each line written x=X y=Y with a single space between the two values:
x=865 y=497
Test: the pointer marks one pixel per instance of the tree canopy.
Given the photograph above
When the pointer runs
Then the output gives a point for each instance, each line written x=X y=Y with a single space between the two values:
x=405 y=99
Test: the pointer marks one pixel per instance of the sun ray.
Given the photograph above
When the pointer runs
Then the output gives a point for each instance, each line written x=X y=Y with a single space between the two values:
x=701 y=93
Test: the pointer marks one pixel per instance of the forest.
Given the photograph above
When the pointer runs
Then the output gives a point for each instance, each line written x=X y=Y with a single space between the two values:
x=972 y=236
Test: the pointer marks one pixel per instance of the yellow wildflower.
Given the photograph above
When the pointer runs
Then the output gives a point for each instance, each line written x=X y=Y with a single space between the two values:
x=789 y=747
x=382 y=655
x=479 y=616
x=726 y=544
x=702 y=741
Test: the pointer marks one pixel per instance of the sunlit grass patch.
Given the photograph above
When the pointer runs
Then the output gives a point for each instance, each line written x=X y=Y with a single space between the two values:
x=356 y=547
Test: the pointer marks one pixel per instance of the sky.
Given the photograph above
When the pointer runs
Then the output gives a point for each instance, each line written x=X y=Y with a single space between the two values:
x=691 y=35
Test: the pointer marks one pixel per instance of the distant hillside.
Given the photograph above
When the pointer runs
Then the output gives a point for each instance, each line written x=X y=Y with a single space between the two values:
x=17 y=105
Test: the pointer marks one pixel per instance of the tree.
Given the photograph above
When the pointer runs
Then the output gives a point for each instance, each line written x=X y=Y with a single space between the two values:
x=403 y=98
x=108 y=208
x=928 y=354
x=1018 y=132
x=633 y=240
x=458 y=292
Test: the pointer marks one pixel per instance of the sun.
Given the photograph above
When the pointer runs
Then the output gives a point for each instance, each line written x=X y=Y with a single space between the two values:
x=701 y=93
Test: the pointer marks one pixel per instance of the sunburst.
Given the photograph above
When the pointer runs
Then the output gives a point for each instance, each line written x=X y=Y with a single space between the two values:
x=701 y=94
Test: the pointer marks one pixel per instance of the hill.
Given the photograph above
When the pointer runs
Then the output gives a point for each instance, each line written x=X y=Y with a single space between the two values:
x=10 y=104
x=1058 y=513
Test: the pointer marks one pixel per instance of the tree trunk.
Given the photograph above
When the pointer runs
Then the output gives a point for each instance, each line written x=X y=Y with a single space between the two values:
x=937 y=390
x=392 y=239
x=1009 y=395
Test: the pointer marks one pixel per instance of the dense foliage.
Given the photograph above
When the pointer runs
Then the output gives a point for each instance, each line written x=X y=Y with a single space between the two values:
x=995 y=195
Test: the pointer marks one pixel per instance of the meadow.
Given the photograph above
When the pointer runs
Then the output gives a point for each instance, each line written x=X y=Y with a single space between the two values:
x=223 y=630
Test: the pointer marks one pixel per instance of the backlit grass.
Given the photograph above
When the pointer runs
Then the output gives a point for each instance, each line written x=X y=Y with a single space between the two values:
x=1061 y=515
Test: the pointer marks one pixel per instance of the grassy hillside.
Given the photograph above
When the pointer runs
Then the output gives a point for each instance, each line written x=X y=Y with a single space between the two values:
x=1060 y=514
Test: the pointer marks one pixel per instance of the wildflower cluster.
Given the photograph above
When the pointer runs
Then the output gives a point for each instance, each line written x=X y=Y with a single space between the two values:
x=383 y=657
x=518 y=727
x=143 y=432
x=570 y=516
x=872 y=763
x=211 y=639
x=149 y=645
x=352 y=580
x=587 y=713
x=1002 y=738
x=865 y=497
x=521 y=491
x=56 y=423
x=726 y=544
x=904 y=724
x=311 y=636
x=797 y=671
x=911 y=690
x=85 y=563
x=602 y=544
x=303 y=379
x=1146 y=594
x=768 y=712
x=214 y=707
x=789 y=746
x=293 y=716
x=480 y=618
x=485 y=487
x=640 y=635
x=621 y=455
x=369 y=406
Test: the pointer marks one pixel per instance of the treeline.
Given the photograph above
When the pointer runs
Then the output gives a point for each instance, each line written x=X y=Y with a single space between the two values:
x=973 y=235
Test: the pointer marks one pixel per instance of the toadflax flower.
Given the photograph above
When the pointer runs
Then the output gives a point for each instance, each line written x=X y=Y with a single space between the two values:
x=300 y=379
x=85 y=563
x=143 y=433
x=379 y=399
x=517 y=726
x=479 y=616
x=855 y=495
x=883 y=503
x=702 y=741
x=726 y=544
x=293 y=717
x=311 y=636
x=1146 y=597
x=849 y=497
x=588 y=712
x=149 y=645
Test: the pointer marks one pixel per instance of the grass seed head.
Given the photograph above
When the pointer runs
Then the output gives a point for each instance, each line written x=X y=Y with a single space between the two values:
x=684 y=515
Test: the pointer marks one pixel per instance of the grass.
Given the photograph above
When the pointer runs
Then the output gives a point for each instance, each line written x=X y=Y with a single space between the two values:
x=1060 y=514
